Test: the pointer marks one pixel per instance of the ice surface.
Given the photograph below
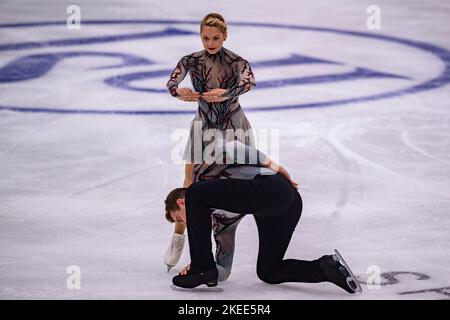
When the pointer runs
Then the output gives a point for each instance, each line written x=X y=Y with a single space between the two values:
x=87 y=189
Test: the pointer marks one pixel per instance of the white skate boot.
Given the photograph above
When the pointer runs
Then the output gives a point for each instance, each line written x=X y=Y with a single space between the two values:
x=174 y=251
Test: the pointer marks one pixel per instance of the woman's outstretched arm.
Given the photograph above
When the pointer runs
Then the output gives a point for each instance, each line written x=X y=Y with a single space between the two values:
x=177 y=76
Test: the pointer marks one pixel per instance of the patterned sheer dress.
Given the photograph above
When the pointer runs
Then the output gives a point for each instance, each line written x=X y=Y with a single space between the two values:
x=225 y=70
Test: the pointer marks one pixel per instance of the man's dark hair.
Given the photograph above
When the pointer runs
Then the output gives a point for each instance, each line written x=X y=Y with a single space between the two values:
x=171 y=201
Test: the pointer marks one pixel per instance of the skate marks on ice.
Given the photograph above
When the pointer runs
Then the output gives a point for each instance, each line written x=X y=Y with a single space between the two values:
x=350 y=168
x=25 y=133
x=334 y=139
x=200 y=289
x=442 y=291
x=407 y=140
x=386 y=279
x=104 y=181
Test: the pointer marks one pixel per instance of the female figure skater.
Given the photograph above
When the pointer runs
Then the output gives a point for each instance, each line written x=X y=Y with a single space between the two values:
x=218 y=77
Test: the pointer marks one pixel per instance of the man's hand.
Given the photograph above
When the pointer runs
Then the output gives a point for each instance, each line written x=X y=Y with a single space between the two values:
x=281 y=170
x=184 y=271
x=215 y=95
x=186 y=94
x=286 y=175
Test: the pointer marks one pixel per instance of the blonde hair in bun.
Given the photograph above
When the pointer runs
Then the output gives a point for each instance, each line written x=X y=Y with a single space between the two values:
x=214 y=20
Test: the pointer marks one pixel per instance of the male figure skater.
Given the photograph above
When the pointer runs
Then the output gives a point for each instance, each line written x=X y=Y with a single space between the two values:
x=266 y=190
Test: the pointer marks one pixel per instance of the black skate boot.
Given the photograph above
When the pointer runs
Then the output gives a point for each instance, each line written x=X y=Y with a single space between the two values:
x=338 y=272
x=197 y=277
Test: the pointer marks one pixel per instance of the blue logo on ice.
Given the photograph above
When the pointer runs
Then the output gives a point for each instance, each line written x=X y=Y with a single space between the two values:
x=37 y=65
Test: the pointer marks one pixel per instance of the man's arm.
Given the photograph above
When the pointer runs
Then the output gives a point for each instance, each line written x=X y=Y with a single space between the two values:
x=235 y=152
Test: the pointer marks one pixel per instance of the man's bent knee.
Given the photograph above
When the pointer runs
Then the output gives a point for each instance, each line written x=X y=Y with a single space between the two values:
x=297 y=203
x=266 y=275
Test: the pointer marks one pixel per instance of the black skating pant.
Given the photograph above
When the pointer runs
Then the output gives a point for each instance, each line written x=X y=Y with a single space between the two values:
x=277 y=207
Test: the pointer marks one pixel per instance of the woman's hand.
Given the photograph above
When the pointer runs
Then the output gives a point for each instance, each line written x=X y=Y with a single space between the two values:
x=215 y=95
x=184 y=271
x=186 y=94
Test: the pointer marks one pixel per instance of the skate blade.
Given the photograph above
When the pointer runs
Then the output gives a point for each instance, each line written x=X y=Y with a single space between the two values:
x=352 y=277
x=197 y=289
